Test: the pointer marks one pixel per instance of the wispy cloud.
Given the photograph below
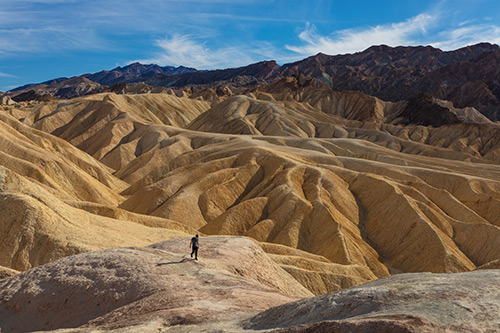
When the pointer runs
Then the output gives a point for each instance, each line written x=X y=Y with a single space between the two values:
x=467 y=35
x=7 y=75
x=423 y=29
x=48 y=39
x=185 y=50
x=350 y=40
x=44 y=26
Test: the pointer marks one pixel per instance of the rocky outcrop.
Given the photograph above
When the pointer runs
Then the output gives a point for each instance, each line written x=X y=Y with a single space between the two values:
x=466 y=302
x=234 y=287
x=31 y=95
x=422 y=110
x=127 y=287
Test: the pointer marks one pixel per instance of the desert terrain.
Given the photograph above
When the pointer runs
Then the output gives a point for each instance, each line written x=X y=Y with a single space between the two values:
x=296 y=189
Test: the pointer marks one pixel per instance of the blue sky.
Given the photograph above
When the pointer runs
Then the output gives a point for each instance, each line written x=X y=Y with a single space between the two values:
x=44 y=39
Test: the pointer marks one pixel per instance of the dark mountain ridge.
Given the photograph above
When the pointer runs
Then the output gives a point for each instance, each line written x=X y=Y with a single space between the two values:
x=468 y=76
x=260 y=71
x=135 y=72
x=399 y=73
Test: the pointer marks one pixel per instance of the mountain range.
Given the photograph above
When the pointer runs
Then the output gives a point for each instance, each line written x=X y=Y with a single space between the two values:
x=467 y=77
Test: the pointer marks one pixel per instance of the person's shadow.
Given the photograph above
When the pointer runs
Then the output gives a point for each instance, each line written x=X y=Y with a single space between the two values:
x=175 y=262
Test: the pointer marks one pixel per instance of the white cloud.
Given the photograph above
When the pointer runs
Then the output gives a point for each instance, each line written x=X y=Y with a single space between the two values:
x=7 y=75
x=351 y=40
x=42 y=26
x=186 y=51
x=423 y=29
x=468 y=35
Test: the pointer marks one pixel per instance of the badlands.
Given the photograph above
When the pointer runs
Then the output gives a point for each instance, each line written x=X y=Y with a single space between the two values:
x=296 y=190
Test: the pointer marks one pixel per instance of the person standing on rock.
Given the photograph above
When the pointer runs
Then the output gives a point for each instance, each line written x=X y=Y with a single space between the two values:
x=195 y=244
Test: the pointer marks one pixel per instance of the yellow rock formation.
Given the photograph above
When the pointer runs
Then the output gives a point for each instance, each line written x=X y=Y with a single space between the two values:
x=335 y=193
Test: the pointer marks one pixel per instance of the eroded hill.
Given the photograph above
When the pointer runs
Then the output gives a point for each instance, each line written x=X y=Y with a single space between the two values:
x=340 y=188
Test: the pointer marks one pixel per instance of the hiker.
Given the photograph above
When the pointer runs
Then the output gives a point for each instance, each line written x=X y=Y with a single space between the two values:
x=195 y=244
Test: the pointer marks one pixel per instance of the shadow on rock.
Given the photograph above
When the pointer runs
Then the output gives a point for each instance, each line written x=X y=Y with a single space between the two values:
x=175 y=262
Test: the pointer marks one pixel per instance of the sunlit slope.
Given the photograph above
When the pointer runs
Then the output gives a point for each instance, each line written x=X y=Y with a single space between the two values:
x=335 y=200
x=349 y=115
x=348 y=200
x=110 y=127
x=56 y=200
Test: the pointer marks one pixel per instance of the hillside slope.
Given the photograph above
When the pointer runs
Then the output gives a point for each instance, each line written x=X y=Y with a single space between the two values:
x=318 y=172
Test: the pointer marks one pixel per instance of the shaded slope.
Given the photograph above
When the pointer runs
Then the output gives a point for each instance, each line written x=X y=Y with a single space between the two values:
x=322 y=113
x=470 y=83
x=383 y=71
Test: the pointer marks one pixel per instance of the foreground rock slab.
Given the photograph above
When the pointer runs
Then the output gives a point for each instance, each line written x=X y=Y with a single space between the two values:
x=157 y=285
x=422 y=302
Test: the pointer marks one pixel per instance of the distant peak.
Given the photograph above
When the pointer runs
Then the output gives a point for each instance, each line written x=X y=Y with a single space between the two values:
x=267 y=62
x=482 y=45
x=379 y=48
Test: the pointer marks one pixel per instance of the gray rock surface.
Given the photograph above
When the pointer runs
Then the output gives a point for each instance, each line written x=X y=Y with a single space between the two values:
x=422 y=302
x=126 y=287
x=234 y=287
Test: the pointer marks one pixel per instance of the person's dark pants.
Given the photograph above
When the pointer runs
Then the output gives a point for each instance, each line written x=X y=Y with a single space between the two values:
x=195 y=252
